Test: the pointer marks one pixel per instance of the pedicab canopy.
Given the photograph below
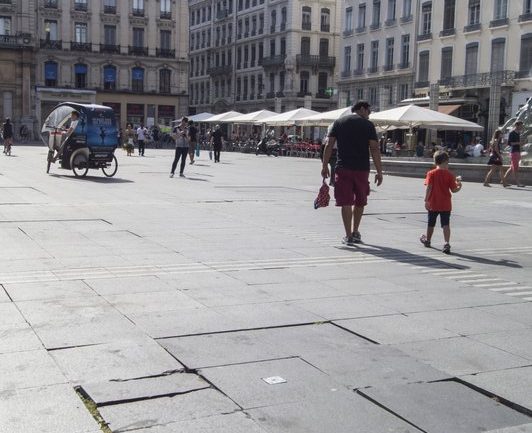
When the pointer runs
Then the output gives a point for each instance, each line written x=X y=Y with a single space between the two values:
x=96 y=125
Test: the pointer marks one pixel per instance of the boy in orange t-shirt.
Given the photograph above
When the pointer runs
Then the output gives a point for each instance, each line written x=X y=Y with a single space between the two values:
x=440 y=183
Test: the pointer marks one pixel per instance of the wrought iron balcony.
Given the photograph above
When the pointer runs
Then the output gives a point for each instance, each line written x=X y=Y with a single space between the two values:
x=306 y=26
x=303 y=94
x=110 y=48
x=447 y=32
x=80 y=6
x=523 y=74
x=373 y=69
x=499 y=22
x=279 y=94
x=390 y=22
x=270 y=95
x=375 y=26
x=472 y=27
x=404 y=65
x=277 y=60
x=51 y=44
x=166 y=15
x=360 y=29
x=346 y=74
x=51 y=4
x=322 y=94
x=407 y=19
x=347 y=32
x=138 y=51
x=358 y=72
x=9 y=41
x=315 y=61
x=80 y=46
x=389 y=67
x=165 y=52
x=219 y=70
x=138 y=12
x=421 y=84
x=525 y=17
x=108 y=9
x=485 y=79
x=325 y=28
x=424 y=37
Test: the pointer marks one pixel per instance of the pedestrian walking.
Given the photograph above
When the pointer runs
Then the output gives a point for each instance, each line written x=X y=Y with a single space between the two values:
x=142 y=131
x=129 y=136
x=495 y=161
x=192 y=140
x=514 y=141
x=7 y=134
x=355 y=138
x=440 y=184
x=180 y=136
x=217 y=142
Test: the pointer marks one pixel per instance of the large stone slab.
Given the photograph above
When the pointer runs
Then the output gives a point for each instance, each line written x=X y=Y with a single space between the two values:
x=513 y=384
x=347 y=414
x=158 y=411
x=115 y=361
x=3 y=295
x=396 y=328
x=518 y=342
x=10 y=315
x=229 y=423
x=149 y=387
x=18 y=338
x=258 y=345
x=525 y=428
x=49 y=409
x=445 y=407
x=519 y=312
x=115 y=286
x=367 y=285
x=461 y=355
x=29 y=369
x=147 y=302
x=49 y=290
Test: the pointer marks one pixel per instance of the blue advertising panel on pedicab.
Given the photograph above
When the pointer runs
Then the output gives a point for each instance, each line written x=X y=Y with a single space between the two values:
x=99 y=126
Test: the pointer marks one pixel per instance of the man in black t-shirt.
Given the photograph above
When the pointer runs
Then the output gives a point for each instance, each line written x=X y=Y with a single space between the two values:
x=356 y=138
x=514 y=141
x=217 y=142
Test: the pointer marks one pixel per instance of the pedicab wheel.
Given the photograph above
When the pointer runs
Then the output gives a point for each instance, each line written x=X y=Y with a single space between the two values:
x=80 y=165
x=111 y=169
x=49 y=160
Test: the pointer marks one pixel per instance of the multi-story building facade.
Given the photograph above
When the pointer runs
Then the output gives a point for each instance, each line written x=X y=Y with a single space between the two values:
x=17 y=24
x=377 y=52
x=248 y=55
x=476 y=54
x=127 y=54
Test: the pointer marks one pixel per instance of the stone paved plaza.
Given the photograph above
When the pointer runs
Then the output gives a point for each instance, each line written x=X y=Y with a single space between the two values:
x=223 y=302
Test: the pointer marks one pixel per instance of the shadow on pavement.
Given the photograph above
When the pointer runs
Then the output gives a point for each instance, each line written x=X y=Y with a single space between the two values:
x=485 y=261
x=92 y=178
x=402 y=256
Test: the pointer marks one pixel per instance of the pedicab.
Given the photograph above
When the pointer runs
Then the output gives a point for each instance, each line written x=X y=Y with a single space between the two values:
x=81 y=137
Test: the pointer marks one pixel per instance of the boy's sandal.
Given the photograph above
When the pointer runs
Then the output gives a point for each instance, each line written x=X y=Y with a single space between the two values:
x=446 y=249
x=423 y=239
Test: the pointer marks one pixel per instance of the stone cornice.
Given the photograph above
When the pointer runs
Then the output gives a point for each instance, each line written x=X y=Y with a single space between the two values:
x=138 y=21
x=77 y=15
x=109 y=19
x=165 y=24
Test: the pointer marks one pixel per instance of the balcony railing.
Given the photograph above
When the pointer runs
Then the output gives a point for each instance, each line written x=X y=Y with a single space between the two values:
x=525 y=17
x=375 y=26
x=323 y=95
x=407 y=19
x=485 y=79
x=523 y=74
x=279 y=94
x=373 y=69
x=110 y=48
x=404 y=65
x=138 y=51
x=166 y=15
x=108 y=9
x=219 y=70
x=270 y=95
x=360 y=29
x=325 y=28
x=9 y=41
x=306 y=26
x=303 y=94
x=424 y=37
x=137 y=12
x=389 y=67
x=472 y=27
x=499 y=22
x=165 y=52
x=421 y=84
x=277 y=60
x=358 y=72
x=80 y=46
x=390 y=22
x=51 y=44
x=51 y=4
x=346 y=74
x=447 y=32
x=80 y=7
x=347 y=32
x=315 y=61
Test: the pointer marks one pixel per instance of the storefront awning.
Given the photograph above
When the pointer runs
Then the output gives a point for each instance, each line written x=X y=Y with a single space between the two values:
x=448 y=109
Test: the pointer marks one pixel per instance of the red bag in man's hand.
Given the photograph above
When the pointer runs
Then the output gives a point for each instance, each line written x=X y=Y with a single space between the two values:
x=322 y=200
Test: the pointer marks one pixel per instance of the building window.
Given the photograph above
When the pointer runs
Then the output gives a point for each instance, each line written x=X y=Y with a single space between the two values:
x=405 y=51
x=390 y=42
x=50 y=74
x=304 y=78
x=137 y=80
x=360 y=57
x=325 y=21
x=283 y=46
x=376 y=13
x=80 y=5
x=497 y=54
x=80 y=73
x=109 y=77
x=361 y=23
x=305 y=46
x=306 y=16
x=80 y=33
x=272 y=48
x=374 y=62
x=403 y=92
x=525 y=66
x=423 y=74
x=407 y=8
x=501 y=8
x=273 y=21
x=360 y=94
x=322 y=83
x=392 y=4
x=372 y=96
x=527 y=7
x=138 y=37
x=474 y=12
x=166 y=40
x=166 y=9
x=109 y=6
x=324 y=48
x=471 y=59
x=50 y=29
x=446 y=70
x=448 y=14
x=349 y=19
x=138 y=7
x=164 y=80
x=284 y=19
x=109 y=34
x=426 y=18
x=282 y=78
x=347 y=59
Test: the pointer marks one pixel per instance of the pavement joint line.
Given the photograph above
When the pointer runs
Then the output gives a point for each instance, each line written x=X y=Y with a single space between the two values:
x=499 y=249
x=507 y=289
x=472 y=277
x=479 y=280
x=457 y=273
x=502 y=283
x=282 y=358
x=519 y=293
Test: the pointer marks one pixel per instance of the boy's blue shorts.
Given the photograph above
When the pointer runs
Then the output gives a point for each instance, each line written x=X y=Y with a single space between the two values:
x=445 y=217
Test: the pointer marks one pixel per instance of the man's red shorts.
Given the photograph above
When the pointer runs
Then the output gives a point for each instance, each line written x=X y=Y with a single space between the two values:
x=351 y=187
